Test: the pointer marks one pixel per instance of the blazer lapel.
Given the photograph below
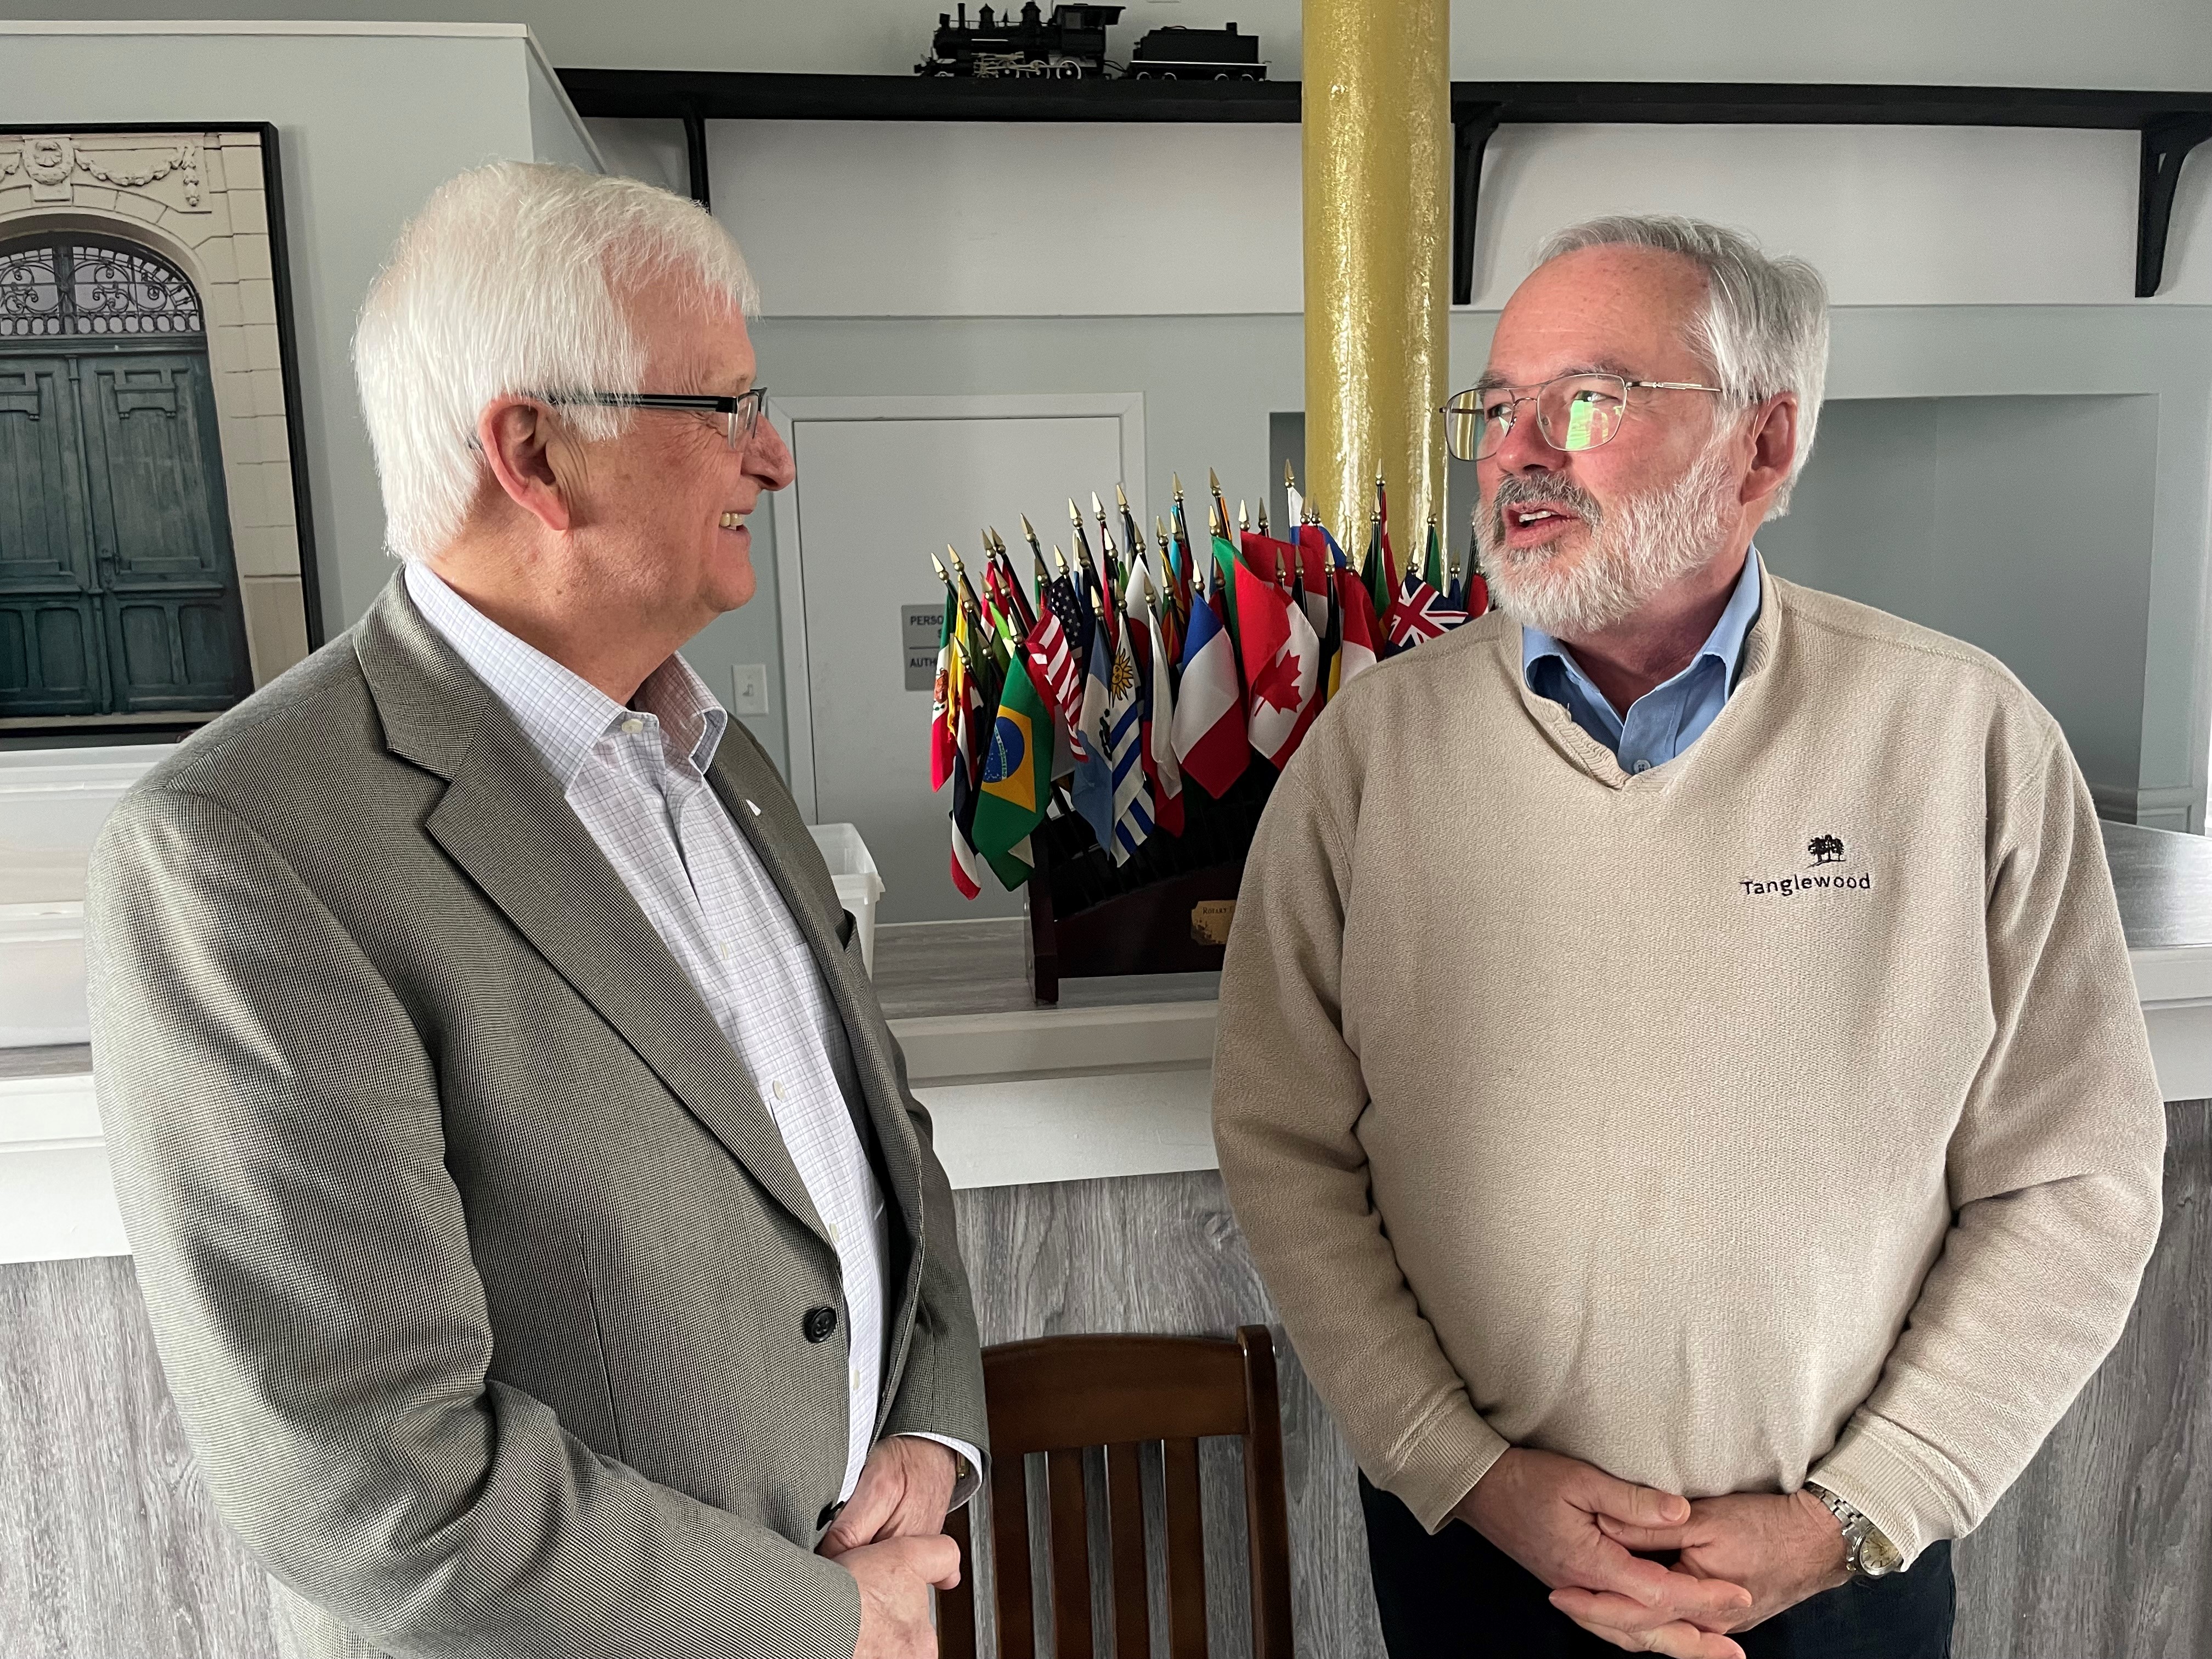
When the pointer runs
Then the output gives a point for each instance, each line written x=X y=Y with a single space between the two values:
x=503 y=820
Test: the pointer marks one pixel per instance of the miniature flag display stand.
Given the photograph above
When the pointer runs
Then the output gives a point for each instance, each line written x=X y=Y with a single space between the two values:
x=1111 y=735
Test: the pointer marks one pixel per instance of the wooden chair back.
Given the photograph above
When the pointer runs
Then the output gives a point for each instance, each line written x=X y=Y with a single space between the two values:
x=1062 y=1394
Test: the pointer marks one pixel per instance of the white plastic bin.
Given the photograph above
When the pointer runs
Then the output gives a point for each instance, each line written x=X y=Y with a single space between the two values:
x=42 y=974
x=853 y=867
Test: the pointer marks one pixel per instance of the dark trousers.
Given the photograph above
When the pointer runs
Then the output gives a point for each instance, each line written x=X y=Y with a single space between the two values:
x=1457 y=1595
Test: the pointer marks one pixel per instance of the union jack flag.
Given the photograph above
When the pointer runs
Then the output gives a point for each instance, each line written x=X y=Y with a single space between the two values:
x=1417 y=612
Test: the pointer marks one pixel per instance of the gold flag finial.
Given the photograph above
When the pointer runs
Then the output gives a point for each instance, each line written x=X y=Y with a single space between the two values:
x=1177 y=477
x=953 y=553
x=1243 y=523
x=1058 y=559
x=1029 y=533
x=1160 y=530
x=938 y=565
x=1290 y=478
x=1121 y=498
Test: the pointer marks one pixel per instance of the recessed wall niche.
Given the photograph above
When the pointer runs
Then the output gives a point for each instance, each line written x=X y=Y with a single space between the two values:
x=152 y=544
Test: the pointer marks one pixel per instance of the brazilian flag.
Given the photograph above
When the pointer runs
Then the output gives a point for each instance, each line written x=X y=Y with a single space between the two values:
x=1017 y=780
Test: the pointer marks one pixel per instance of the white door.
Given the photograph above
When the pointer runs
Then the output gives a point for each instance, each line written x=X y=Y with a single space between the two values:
x=882 y=484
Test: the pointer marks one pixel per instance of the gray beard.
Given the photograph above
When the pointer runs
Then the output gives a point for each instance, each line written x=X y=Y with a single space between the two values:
x=1635 y=550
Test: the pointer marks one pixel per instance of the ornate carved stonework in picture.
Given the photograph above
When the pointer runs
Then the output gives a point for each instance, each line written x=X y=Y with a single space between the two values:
x=151 y=523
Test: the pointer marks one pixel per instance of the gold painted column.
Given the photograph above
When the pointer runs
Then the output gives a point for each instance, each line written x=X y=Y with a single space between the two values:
x=1377 y=163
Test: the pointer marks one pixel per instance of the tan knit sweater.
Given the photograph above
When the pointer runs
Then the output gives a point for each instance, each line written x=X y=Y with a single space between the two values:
x=1785 y=1110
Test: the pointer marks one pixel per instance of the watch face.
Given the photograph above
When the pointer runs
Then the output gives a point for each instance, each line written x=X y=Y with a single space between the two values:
x=1878 y=1557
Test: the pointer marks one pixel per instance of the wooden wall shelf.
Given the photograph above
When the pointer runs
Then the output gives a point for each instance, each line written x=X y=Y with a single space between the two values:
x=2172 y=123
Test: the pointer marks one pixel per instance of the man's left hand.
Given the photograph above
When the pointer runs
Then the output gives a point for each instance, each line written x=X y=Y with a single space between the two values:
x=905 y=1488
x=1781 y=1548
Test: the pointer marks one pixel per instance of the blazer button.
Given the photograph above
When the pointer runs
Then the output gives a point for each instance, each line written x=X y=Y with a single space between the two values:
x=819 y=1323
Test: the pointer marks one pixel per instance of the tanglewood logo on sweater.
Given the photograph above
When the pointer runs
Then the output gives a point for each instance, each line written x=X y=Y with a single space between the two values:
x=1825 y=850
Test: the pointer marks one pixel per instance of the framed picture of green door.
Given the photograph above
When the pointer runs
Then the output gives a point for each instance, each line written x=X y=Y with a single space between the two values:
x=156 y=560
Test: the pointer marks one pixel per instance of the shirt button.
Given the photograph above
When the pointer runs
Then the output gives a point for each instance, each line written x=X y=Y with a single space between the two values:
x=856 y=1377
x=777 y=1090
x=633 y=725
x=835 y=1236
x=1641 y=766
x=818 y=1324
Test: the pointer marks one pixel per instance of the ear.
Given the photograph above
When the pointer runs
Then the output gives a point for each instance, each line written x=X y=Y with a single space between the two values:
x=516 y=436
x=1774 y=446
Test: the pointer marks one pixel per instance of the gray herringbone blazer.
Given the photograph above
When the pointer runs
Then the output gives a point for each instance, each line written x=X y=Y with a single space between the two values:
x=478 y=1270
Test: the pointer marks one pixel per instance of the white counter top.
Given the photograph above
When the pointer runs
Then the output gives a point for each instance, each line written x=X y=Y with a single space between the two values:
x=1116 y=1084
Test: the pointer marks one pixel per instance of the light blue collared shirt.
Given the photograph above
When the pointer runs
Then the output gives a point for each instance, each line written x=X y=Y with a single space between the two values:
x=1669 y=717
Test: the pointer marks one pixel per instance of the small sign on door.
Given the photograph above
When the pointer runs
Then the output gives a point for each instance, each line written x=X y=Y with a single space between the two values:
x=918 y=626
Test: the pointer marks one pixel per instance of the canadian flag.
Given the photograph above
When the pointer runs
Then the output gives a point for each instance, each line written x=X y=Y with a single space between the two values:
x=1282 y=664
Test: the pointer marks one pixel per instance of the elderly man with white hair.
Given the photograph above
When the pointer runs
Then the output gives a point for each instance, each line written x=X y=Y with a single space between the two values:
x=544 y=1250
x=1679 y=1071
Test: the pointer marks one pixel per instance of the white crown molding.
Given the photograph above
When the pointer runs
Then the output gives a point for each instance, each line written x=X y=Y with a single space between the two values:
x=272 y=26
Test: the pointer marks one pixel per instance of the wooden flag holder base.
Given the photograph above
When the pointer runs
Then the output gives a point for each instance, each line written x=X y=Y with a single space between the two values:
x=1166 y=911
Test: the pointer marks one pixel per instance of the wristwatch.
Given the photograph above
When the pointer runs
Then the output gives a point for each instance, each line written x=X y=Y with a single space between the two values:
x=1867 y=1553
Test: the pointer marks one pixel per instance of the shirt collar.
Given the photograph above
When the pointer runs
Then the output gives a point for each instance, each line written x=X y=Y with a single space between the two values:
x=561 y=714
x=1724 y=645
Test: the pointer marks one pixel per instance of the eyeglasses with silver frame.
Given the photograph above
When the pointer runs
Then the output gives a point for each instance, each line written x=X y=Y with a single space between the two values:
x=740 y=413
x=1575 y=412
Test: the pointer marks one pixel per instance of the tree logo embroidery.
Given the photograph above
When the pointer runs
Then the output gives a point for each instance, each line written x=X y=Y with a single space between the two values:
x=1826 y=849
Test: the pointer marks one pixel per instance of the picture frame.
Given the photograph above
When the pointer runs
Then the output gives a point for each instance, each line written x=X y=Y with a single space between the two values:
x=156 y=533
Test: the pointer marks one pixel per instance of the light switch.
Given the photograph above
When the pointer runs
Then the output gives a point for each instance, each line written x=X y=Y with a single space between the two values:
x=752 y=685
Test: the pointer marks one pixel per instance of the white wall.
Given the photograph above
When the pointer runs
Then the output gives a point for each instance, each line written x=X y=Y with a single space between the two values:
x=2056 y=43
x=370 y=118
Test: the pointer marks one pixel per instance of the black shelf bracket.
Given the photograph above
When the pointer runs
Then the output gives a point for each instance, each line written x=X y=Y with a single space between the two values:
x=695 y=157
x=1471 y=131
x=2171 y=124
x=2166 y=142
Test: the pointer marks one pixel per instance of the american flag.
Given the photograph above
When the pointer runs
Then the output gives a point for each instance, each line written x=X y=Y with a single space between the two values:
x=1053 y=657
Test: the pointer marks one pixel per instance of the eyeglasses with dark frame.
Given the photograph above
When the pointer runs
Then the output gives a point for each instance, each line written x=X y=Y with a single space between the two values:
x=1575 y=412
x=741 y=414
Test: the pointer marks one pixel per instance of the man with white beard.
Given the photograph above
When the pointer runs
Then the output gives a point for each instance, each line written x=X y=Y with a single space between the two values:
x=1678 y=1072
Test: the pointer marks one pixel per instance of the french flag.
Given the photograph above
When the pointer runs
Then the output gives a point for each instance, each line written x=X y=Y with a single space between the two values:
x=1208 y=730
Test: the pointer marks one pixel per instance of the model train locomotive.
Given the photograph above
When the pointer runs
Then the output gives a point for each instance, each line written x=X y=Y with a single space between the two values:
x=1176 y=53
x=1070 y=46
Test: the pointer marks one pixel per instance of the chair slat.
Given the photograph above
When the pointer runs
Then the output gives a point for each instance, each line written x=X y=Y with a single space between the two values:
x=1267 y=1522
x=1125 y=1511
x=1071 y=1556
x=1186 y=1554
x=955 y=1607
x=1010 y=1556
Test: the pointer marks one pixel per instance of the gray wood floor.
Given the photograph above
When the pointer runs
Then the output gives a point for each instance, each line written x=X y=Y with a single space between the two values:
x=108 y=1550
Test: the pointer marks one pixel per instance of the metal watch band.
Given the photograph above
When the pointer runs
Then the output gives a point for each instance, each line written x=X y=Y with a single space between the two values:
x=1868 y=1552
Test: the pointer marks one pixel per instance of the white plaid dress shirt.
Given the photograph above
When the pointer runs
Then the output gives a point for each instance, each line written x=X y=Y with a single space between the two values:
x=636 y=779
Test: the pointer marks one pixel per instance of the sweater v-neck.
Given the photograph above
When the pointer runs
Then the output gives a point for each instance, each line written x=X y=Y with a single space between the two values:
x=1762 y=644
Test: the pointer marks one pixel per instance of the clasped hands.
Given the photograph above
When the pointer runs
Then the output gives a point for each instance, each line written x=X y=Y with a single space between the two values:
x=1742 y=1559
x=890 y=1537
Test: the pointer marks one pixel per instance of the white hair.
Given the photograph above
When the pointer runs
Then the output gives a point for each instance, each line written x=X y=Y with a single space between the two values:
x=1765 y=327
x=517 y=277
